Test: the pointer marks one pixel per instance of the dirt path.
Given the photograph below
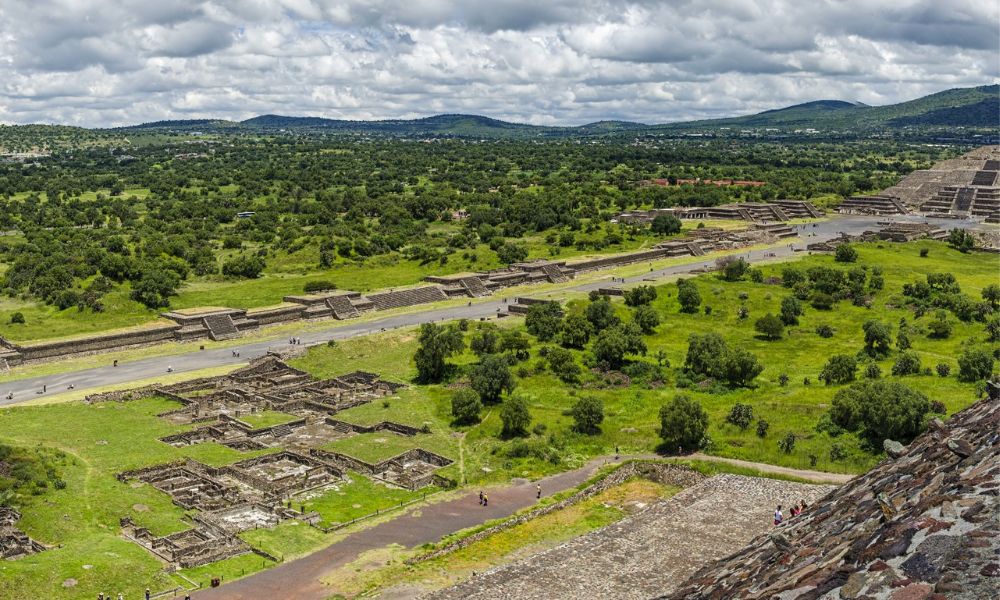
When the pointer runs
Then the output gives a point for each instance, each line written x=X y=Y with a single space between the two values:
x=300 y=578
x=812 y=476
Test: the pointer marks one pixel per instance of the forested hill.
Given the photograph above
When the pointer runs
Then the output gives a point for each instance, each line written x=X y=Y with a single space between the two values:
x=961 y=107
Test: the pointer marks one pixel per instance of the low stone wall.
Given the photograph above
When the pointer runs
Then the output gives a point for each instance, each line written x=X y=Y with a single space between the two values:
x=659 y=472
x=125 y=395
x=104 y=342
x=282 y=314
x=612 y=261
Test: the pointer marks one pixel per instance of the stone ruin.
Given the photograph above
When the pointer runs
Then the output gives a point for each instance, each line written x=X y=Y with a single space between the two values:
x=778 y=211
x=14 y=543
x=924 y=523
x=257 y=491
x=892 y=232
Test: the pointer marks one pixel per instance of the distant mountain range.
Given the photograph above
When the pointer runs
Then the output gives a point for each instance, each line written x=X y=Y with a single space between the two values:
x=977 y=107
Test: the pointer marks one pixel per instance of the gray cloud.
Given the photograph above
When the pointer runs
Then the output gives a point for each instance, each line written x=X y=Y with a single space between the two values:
x=110 y=62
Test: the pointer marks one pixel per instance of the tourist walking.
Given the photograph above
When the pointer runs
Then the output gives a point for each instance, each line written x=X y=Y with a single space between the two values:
x=778 y=518
x=480 y=497
x=486 y=500
x=538 y=490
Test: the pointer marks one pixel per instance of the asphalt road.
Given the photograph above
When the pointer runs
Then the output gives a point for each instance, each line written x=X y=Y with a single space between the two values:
x=146 y=368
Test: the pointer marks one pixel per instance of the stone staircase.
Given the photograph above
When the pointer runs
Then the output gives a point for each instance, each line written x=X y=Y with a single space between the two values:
x=694 y=249
x=342 y=307
x=554 y=274
x=474 y=287
x=220 y=327
x=281 y=431
x=411 y=297
x=985 y=178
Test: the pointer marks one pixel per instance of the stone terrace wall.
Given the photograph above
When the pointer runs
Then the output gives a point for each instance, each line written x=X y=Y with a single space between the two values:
x=612 y=261
x=104 y=342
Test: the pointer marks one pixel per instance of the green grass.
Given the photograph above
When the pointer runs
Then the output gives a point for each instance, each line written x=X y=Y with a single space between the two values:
x=357 y=497
x=268 y=418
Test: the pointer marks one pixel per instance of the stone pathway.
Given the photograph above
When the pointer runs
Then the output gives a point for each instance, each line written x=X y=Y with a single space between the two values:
x=300 y=578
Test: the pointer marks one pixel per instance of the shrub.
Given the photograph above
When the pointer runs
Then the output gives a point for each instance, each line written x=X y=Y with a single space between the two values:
x=940 y=326
x=770 y=326
x=646 y=318
x=665 y=225
x=614 y=343
x=318 y=286
x=683 y=423
x=839 y=368
x=742 y=313
x=908 y=363
x=924 y=252
x=783 y=379
x=975 y=364
x=943 y=369
x=741 y=367
x=515 y=417
x=688 y=296
x=17 y=318
x=740 y=415
x=837 y=452
x=543 y=320
x=762 y=427
x=437 y=343
x=466 y=406
x=824 y=331
x=791 y=276
x=491 y=378
x=485 y=340
x=563 y=365
x=822 y=301
x=902 y=340
x=756 y=276
x=733 y=269
x=880 y=409
x=787 y=443
x=588 y=414
x=872 y=370
x=601 y=314
x=877 y=338
x=246 y=267
x=640 y=295
x=791 y=310
x=845 y=253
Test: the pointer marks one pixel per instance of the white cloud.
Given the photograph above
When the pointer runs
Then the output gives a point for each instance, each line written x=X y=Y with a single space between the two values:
x=112 y=62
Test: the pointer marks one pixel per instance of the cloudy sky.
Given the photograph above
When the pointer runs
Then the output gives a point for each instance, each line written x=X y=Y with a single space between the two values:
x=115 y=62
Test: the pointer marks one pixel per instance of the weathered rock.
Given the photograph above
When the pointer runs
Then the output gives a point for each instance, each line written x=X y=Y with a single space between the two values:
x=960 y=447
x=893 y=448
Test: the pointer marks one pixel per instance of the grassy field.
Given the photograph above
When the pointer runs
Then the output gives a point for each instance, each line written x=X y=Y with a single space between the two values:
x=101 y=440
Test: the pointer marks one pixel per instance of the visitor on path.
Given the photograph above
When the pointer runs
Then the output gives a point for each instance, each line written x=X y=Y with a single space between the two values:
x=486 y=500
x=794 y=510
x=170 y=369
x=115 y=364
x=147 y=593
x=538 y=491
x=44 y=388
x=802 y=506
x=778 y=518
x=617 y=453
x=480 y=497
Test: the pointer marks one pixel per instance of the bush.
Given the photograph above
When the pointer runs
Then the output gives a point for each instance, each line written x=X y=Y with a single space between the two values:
x=908 y=363
x=543 y=320
x=688 y=296
x=741 y=367
x=485 y=340
x=437 y=343
x=943 y=369
x=783 y=379
x=879 y=410
x=877 y=339
x=872 y=370
x=924 y=252
x=740 y=415
x=491 y=378
x=640 y=295
x=588 y=414
x=601 y=314
x=246 y=267
x=839 y=368
x=665 y=225
x=770 y=326
x=515 y=417
x=466 y=406
x=575 y=331
x=787 y=443
x=837 y=452
x=17 y=318
x=646 y=318
x=563 y=365
x=824 y=331
x=975 y=364
x=683 y=423
x=822 y=301
x=318 y=286
x=940 y=326
x=762 y=427
x=733 y=269
x=790 y=277
x=614 y=343
x=791 y=310
x=845 y=253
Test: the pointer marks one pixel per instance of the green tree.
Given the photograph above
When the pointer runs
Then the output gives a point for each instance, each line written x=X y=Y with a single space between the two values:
x=515 y=416
x=880 y=409
x=466 y=406
x=975 y=364
x=665 y=225
x=822 y=301
x=154 y=287
x=991 y=295
x=740 y=415
x=845 y=253
x=543 y=320
x=907 y=363
x=791 y=310
x=706 y=354
x=688 y=296
x=646 y=318
x=247 y=267
x=485 y=340
x=770 y=327
x=601 y=314
x=563 y=364
x=961 y=240
x=437 y=343
x=939 y=327
x=839 y=368
x=640 y=295
x=588 y=414
x=878 y=339
x=733 y=269
x=614 y=343
x=576 y=330
x=491 y=378
x=683 y=423
x=510 y=253
x=515 y=344
x=741 y=367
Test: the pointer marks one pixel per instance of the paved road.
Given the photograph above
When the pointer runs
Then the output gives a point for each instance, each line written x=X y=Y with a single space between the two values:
x=28 y=388
x=300 y=578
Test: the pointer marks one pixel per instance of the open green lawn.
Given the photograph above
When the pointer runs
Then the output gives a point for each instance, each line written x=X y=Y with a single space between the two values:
x=268 y=418
x=357 y=497
x=103 y=439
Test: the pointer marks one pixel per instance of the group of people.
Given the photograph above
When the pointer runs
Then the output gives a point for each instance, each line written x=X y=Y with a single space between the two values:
x=794 y=511
x=121 y=596
x=236 y=353
x=295 y=341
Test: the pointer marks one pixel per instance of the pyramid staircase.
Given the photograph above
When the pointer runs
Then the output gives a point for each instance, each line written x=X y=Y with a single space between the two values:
x=342 y=307
x=220 y=327
x=474 y=287
x=554 y=274
x=695 y=249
